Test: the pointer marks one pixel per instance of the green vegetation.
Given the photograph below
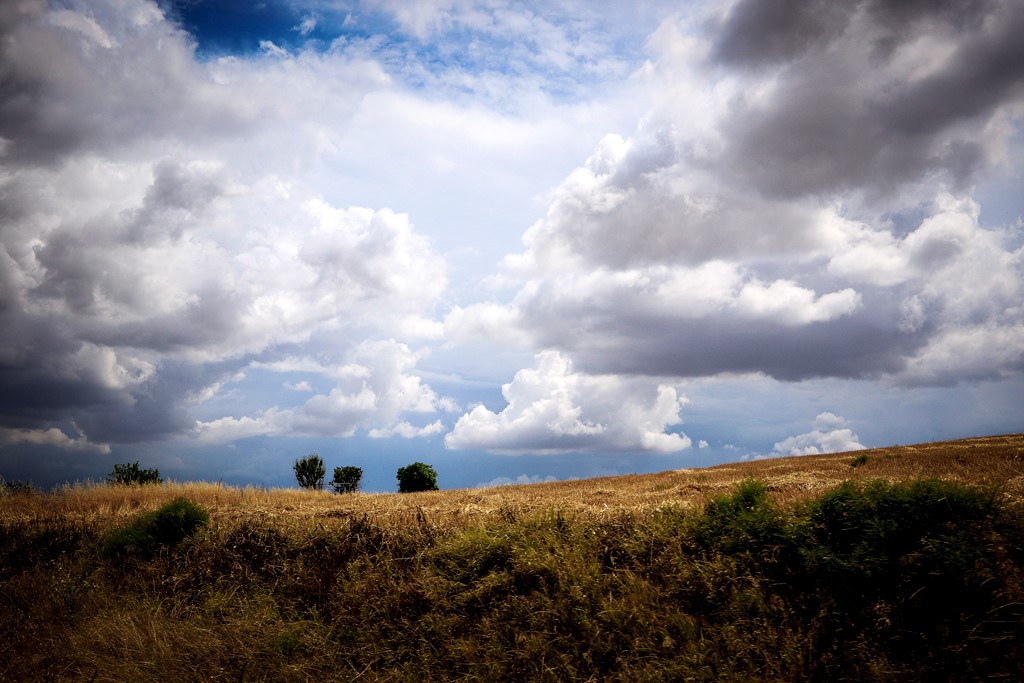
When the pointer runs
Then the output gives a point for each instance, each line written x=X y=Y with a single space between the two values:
x=128 y=475
x=859 y=460
x=870 y=581
x=156 y=531
x=346 y=479
x=310 y=472
x=416 y=477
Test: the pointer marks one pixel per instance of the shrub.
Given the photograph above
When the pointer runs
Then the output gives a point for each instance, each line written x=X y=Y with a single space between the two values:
x=128 y=475
x=346 y=479
x=154 y=531
x=310 y=472
x=908 y=563
x=745 y=521
x=867 y=534
x=416 y=477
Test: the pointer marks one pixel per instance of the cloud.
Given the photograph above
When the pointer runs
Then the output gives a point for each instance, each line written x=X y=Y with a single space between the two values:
x=773 y=213
x=308 y=24
x=51 y=437
x=419 y=18
x=151 y=248
x=372 y=391
x=70 y=83
x=269 y=243
x=553 y=409
x=831 y=434
x=407 y=430
x=270 y=422
x=520 y=480
x=554 y=47
x=859 y=95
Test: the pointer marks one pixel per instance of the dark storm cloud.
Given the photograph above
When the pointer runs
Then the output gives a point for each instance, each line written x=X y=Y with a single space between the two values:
x=627 y=339
x=111 y=392
x=31 y=395
x=757 y=32
x=51 y=105
x=766 y=32
x=158 y=408
x=986 y=71
x=848 y=116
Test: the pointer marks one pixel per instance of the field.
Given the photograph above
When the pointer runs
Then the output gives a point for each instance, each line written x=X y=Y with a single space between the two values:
x=889 y=564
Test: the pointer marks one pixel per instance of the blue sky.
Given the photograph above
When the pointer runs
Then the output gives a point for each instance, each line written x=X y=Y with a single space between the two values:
x=518 y=241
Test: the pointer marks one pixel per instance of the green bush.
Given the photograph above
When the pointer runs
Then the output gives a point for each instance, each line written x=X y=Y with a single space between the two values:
x=880 y=542
x=745 y=521
x=416 y=477
x=346 y=479
x=161 y=529
x=901 y=570
x=310 y=472
x=873 y=529
x=128 y=475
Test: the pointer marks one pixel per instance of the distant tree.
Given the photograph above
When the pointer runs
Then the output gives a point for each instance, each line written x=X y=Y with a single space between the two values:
x=310 y=472
x=131 y=474
x=346 y=479
x=416 y=477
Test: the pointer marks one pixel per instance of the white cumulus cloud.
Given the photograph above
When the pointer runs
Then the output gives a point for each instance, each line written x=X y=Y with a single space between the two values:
x=831 y=434
x=551 y=408
x=51 y=437
x=372 y=392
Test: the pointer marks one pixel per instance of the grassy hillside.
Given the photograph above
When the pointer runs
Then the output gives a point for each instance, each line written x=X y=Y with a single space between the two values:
x=890 y=564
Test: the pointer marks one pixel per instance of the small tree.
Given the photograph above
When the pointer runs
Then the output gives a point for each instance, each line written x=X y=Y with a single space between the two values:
x=346 y=479
x=416 y=477
x=131 y=474
x=310 y=472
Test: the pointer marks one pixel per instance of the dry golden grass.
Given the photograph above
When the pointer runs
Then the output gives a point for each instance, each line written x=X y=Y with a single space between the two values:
x=599 y=579
x=990 y=461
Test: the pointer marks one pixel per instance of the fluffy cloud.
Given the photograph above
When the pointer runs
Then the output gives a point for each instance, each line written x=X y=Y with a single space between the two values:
x=51 y=437
x=553 y=409
x=831 y=434
x=372 y=391
x=776 y=213
x=150 y=247
x=520 y=480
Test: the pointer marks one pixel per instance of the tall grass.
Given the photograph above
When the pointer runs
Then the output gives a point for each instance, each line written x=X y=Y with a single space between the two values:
x=754 y=574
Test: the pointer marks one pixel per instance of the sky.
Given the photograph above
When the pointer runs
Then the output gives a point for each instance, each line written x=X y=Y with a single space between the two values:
x=517 y=241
